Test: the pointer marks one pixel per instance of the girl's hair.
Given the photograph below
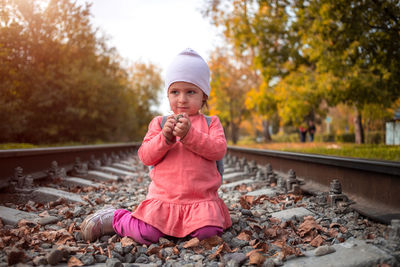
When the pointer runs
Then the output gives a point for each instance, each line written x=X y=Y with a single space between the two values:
x=205 y=103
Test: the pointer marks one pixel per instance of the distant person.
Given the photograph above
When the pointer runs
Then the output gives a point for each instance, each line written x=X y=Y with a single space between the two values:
x=311 y=130
x=182 y=198
x=303 y=133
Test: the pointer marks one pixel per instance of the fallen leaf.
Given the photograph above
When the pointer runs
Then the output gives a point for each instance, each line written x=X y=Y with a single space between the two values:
x=274 y=220
x=343 y=229
x=24 y=222
x=127 y=241
x=287 y=251
x=244 y=236
x=333 y=232
x=308 y=225
x=218 y=252
x=257 y=259
x=71 y=227
x=86 y=198
x=253 y=242
x=74 y=262
x=194 y=242
x=44 y=214
x=263 y=246
x=317 y=241
x=271 y=232
x=211 y=242
x=244 y=203
x=153 y=250
x=99 y=201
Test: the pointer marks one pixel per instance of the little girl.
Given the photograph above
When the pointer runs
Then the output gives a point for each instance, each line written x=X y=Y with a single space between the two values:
x=182 y=198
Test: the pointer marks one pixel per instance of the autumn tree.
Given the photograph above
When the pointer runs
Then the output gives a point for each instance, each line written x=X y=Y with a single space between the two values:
x=231 y=79
x=59 y=81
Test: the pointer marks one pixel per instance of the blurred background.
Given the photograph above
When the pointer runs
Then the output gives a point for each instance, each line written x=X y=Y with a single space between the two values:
x=286 y=75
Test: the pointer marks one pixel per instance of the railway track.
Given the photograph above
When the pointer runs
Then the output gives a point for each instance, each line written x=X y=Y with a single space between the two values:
x=287 y=209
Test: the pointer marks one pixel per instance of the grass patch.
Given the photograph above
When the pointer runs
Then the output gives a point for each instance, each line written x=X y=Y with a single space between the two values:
x=27 y=146
x=367 y=151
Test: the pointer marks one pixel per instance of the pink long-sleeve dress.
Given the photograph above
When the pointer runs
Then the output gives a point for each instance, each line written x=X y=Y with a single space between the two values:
x=182 y=195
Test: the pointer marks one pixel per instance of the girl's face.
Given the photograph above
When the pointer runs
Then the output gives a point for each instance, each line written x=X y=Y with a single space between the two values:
x=185 y=98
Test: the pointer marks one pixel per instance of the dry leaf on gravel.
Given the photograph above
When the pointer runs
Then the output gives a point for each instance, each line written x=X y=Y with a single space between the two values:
x=244 y=236
x=44 y=214
x=74 y=262
x=211 y=242
x=261 y=245
x=333 y=232
x=317 y=241
x=274 y=220
x=308 y=225
x=243 y=202
x=24 y=222
x=71 y=227
x=287 y=251
x=271 y=232
x=86 y=198
x=194 y=242
x=153 y=250
x=220 y=249
x=257 y=259
x=127 y=241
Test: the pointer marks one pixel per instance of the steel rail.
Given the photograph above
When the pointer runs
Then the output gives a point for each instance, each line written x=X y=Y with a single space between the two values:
x=373 y=185
x=37 y=161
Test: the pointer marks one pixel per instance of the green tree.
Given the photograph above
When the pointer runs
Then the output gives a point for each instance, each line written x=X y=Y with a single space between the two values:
x=314 y=51
x=357 y=43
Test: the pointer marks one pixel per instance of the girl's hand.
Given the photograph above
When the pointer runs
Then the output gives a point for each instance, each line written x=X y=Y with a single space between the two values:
x=168 y=129
x=182 y=126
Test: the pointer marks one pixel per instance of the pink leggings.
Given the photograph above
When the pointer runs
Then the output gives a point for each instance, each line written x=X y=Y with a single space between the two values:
x=126 y=225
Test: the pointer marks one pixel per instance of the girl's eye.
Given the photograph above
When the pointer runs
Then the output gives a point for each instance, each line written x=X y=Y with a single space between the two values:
x=173 y=92
x=191 y=92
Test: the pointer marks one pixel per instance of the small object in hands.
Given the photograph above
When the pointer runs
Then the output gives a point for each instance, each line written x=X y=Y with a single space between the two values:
x=178 y=117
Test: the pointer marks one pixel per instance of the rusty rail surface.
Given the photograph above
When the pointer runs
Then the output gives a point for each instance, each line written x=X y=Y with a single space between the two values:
x=374 y=186
x=37 y=161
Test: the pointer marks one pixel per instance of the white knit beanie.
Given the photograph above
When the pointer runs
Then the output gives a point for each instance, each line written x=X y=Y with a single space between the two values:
x=189 y=66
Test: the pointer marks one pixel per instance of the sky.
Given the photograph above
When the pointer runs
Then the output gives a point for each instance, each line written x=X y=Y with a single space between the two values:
x=154 y=30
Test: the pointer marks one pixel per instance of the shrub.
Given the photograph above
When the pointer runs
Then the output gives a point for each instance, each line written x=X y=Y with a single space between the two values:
x=346 y=138
x=325 y=138
x=375 y=137
x=285 y=138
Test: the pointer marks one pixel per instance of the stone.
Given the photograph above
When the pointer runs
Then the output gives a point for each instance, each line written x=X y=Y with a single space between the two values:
x=113 y=262
x=47 y=194
x=323 y=250
x=101 y=176
x=350 y=253
x=13 y=216
x=260 y=192
x=15 y=256
x=100 y=258
x=290 y=214
x=117 y=172
x=39 y=260
x=142 y=259
x=87 y=259
x=234 y=184
x=196 y=257
x=54 y=256
x=238 y=257
x=129 y=258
